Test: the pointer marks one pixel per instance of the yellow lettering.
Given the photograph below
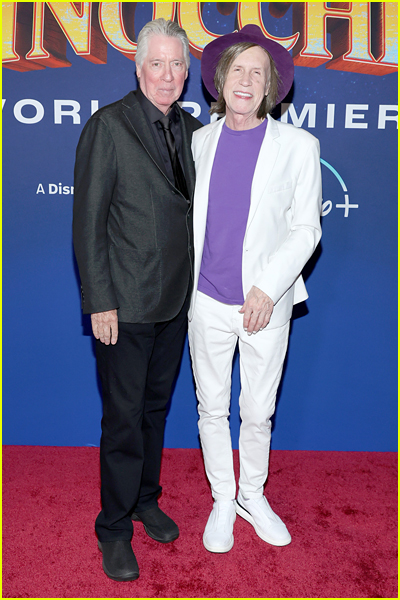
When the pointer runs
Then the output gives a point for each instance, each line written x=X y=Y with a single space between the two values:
x=165 y=10
x=390 y=33
x=189 y=17
x=360 y=33
x=56 y=56
x=363 y=35
x=309 y=19
x=384 y=32
x=112 y=24
x=17 y=31
x=9 y=26
x=56 y=22
x=250 y=13
x=74 y=24
x=350 y=25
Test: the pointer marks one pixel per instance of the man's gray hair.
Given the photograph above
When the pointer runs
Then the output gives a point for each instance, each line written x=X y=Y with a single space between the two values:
x=161 y=27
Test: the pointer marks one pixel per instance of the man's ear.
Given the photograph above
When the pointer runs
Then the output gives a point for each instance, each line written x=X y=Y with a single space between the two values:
x=138 y=71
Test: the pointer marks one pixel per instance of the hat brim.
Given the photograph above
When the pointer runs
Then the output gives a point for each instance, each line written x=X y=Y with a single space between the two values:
x=253 y=34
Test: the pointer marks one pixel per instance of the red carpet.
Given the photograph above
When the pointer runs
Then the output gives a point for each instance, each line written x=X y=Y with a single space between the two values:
x=340 y=507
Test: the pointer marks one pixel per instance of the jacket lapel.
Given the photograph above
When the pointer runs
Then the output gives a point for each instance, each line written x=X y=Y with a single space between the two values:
x=134 y=114
x=203 y=175
x=265 y=165
x=188 y=165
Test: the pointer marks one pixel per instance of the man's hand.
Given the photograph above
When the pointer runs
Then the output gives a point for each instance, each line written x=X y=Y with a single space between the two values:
x=105 y=326
x=257 y=309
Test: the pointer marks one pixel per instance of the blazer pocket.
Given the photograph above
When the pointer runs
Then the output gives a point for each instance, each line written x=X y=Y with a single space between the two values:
x=136 y=276
x=279 y=187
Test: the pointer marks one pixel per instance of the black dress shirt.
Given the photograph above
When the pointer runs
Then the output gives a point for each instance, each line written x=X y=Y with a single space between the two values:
x=153 y=114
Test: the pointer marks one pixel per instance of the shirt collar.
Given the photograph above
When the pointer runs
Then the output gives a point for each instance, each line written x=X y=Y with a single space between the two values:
x=152 y=112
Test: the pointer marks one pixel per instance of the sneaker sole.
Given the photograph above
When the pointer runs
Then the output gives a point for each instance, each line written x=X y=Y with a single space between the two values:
x=247 y=517
x=218 y=550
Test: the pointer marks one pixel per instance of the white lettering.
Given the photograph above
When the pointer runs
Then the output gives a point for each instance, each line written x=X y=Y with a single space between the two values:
x=55 y=188
x=350 y=116
x=354 y=113
x=330 y=116
x=346 y=205
x=194 y=105
x=311 y=109
x=28 y=120
x=59 y=112
x=326 y=208
x=383 y=116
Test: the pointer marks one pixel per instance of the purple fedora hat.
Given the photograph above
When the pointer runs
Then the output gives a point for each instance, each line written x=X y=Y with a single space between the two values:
x=253 y=34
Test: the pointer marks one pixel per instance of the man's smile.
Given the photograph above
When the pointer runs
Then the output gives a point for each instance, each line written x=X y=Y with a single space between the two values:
x=243 y=94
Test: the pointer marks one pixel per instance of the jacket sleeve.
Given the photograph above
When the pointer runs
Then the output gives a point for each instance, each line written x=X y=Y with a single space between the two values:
x=94 y=182
x=288 y=261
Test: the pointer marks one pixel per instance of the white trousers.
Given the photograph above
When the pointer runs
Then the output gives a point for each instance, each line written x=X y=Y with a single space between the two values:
x=213 y=334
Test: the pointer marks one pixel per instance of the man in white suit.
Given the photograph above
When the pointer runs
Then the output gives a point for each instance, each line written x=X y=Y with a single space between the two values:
x=257 y=209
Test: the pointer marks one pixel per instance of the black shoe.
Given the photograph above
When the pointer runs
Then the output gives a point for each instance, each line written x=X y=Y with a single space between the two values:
x=157 y=525
x=119 y=562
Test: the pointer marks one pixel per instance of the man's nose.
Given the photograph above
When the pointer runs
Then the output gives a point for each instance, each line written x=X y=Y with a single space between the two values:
x=245 y=78
x=168 y=75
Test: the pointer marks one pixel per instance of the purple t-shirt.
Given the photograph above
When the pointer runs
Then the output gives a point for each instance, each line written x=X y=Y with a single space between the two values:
x=228 y=210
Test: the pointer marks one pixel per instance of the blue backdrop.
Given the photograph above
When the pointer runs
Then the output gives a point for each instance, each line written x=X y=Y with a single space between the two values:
x=339 y=385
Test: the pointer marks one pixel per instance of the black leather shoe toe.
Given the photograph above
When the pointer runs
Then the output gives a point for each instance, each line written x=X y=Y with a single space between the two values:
x=158 y=525
x=119 y=562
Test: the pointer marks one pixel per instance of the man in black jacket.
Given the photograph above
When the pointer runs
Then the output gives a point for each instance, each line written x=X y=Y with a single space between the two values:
x=134 y=181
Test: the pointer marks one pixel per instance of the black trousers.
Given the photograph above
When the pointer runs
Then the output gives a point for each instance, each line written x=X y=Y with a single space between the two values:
x=137 y=375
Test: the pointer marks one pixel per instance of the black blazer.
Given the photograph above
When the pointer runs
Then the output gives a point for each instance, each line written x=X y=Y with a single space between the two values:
x=132 y=228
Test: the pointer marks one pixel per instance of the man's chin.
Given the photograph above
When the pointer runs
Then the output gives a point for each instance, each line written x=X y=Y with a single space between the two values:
x=167 y=98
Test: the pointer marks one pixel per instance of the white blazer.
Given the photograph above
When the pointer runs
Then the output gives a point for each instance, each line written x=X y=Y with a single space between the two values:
x=283 y=226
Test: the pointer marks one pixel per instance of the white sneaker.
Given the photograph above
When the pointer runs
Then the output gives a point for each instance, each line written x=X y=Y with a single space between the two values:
x=267 y=524
x=218 y=534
